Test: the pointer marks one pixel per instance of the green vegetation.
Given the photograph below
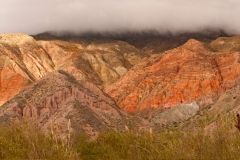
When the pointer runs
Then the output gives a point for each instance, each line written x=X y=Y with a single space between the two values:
x=221 y=140
x=25 y=141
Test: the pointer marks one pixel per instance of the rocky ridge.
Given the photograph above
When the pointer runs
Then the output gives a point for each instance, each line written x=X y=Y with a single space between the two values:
x=58 y=98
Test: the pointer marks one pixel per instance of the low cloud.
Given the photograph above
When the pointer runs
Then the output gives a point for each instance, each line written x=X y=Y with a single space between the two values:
x=32 y=17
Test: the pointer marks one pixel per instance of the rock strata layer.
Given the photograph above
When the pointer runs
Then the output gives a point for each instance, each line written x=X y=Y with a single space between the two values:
x=180 y=75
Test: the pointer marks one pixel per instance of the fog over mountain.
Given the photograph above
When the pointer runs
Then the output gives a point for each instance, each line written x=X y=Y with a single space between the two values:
x=32 y=17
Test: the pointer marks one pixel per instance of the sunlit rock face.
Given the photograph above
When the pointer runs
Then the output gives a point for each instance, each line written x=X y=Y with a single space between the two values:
x=176 y=76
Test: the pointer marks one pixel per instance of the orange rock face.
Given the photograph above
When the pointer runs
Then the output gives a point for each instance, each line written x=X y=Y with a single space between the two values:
x=11 y=83
x=177 y=76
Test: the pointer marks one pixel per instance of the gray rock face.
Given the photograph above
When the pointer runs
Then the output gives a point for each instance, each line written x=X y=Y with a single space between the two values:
x=176 y=114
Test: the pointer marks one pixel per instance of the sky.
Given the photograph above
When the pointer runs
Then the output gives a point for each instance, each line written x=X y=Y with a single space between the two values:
x=78 y=16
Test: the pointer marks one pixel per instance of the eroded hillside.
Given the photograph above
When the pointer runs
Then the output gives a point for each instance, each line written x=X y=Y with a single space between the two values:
x=146 y=75
x=180 y=75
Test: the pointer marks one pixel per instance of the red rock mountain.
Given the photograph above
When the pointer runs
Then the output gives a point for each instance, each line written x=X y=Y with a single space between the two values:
x=176 y=76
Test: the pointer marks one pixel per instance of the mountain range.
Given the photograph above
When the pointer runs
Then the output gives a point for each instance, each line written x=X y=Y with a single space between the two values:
x=109 y=81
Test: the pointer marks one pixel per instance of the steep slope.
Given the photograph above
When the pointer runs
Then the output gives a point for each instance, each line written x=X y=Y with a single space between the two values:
x=22 y=61
x=177 y=76
x=57 y=98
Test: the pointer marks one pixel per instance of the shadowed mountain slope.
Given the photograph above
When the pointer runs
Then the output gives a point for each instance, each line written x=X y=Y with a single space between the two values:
x=57 y=98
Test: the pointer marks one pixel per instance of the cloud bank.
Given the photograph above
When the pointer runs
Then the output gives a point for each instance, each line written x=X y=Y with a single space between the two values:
x=32 y=17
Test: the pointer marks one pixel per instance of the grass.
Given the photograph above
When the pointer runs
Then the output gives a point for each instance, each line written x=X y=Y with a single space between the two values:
x=222 y=141
x=25 y=141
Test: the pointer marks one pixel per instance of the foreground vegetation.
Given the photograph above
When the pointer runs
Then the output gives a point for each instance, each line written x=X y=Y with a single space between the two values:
x=220 y=141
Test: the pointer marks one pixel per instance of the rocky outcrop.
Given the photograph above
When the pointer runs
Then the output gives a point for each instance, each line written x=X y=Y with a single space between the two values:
x=177 y=76
x=57 y=98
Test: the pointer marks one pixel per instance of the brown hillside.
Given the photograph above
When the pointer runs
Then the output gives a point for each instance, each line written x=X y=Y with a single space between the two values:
x=58 y=97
